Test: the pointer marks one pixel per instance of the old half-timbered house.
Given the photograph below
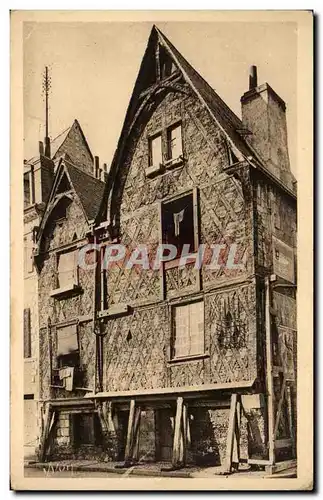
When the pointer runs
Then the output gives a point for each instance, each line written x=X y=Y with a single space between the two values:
x=197 y=363
x=184 y=356
x=65 y=299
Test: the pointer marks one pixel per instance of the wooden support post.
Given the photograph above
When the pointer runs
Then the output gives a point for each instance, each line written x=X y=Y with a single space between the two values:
x=236 y=443
x=130 y=431
x=44 y=437
x=290 y=419
x=51 y=432
x=230 y=436
x=136 y=434
x=177 y=433
x=269 y=375
x=183 y=457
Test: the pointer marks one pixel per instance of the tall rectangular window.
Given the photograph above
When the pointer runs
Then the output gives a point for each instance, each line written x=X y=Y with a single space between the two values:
x=67 y=346
x=174 y=142
x=27 y=190
x=178 y=224
x=67 y=268
x=155 y=151
x=188 y=330
x=27 y=334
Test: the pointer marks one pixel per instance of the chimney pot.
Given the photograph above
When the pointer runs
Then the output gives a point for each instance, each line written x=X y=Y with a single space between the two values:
x=96 y=166
x=253 y=77
x=47 y=147
x=41 y=148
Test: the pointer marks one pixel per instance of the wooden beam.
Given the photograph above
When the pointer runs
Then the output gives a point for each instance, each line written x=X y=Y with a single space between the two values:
x=236 y=442
x=230 y=435
x=130 y=431
x=184 y=435
x=290 y=419
x=269 y=375
x=173 y=393
x=177 y=433
x=280 y=405
x=136 y=434
x=280 y=466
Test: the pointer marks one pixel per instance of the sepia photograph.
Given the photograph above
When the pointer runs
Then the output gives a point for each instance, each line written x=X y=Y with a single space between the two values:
x=159 y=219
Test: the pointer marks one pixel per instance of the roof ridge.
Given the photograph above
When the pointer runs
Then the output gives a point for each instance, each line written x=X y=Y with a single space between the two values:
x=81 y=170
x=61 y=133
x=198 y=75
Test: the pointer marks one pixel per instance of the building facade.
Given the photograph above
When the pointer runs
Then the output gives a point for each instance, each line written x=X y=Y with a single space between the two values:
x=173 y=361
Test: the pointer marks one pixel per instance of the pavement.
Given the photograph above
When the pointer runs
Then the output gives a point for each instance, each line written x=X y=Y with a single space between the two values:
x=70 y=468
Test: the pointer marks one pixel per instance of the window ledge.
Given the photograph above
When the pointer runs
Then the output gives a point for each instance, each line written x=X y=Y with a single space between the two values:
x=117 y=310
x=173 y=162
x=66 y=290
x=189 y=258
x=153 y=170
x=186 y=359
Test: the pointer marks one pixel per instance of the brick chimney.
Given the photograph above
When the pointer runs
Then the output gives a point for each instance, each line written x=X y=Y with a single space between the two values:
x=264 y=114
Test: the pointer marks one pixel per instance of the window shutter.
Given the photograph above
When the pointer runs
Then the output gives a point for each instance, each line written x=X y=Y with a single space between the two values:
x=27 y=334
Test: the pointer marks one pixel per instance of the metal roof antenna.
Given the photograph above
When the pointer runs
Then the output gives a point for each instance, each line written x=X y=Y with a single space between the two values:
x=47 y=83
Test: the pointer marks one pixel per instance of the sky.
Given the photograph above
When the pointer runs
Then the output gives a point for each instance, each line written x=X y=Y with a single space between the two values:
x=93 y=68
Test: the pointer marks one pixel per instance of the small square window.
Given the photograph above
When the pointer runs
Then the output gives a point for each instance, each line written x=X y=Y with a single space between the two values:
x=155 y=151
x=188 y=330
x=174 y=142
x=178 y=224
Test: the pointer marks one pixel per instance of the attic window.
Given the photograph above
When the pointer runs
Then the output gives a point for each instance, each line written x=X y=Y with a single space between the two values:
x=155 y=151
x=174 y=142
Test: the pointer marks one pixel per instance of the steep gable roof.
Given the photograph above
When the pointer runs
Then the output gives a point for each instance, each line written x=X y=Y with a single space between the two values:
x=72 y=142
x=225 y=117
x=88 y=190
x=229 y=123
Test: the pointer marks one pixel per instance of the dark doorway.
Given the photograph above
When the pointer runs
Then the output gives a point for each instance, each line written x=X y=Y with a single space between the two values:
x=164 y=434
x=86 y=429
x=123 y=417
